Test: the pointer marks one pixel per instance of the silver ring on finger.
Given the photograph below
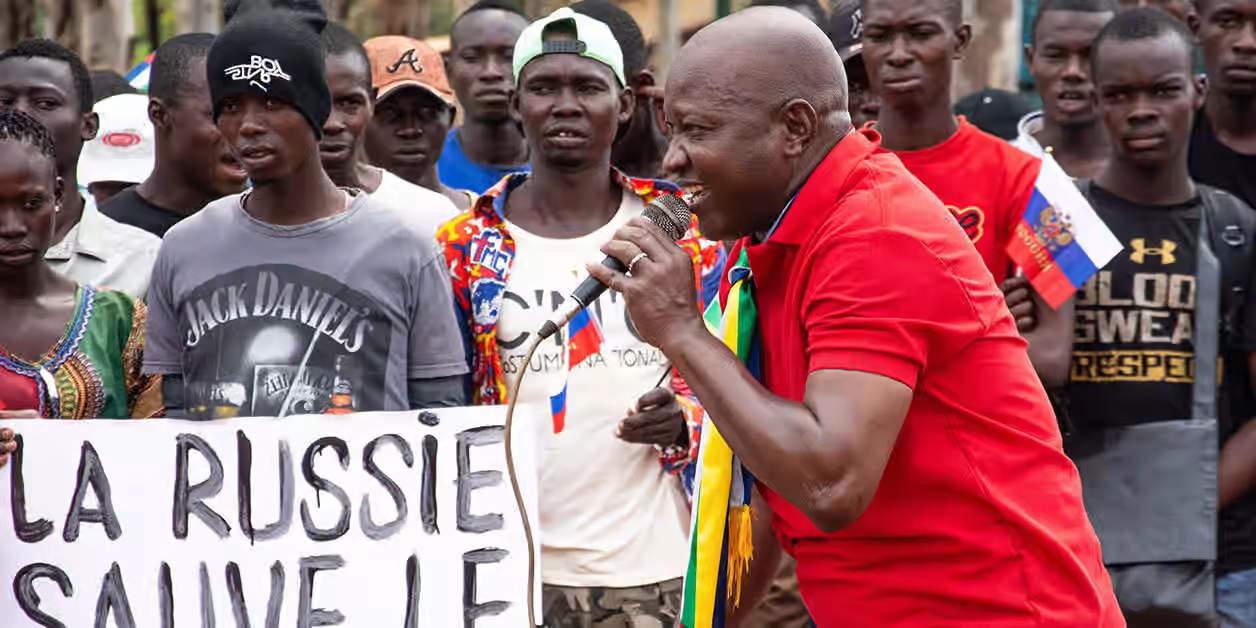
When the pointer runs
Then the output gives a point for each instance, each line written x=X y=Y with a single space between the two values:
x=636 y=258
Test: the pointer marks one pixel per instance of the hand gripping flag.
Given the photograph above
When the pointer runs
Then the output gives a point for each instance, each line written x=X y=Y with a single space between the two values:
x=721 y=544
x=584 y=340
x=1060 y=242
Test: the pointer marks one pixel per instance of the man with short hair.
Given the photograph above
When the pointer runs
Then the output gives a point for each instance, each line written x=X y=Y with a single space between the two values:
x=1223 y=154
x=1058 y=56
x=614 y=546
x=192 y=163
x=344 y=134
x=910 y=47
x=44 y=79
x=879 y=391
x=640 y=144
x=297 y=297
x=846 y=32
x=1150 y=329
x=489 y=144
x=1223 y=144
x=414 y=109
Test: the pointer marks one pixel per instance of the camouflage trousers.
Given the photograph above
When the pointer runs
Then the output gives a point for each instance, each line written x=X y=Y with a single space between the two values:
x=650 y=606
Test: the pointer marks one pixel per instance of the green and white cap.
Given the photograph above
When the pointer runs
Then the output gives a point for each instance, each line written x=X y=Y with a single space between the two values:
x=594 y=40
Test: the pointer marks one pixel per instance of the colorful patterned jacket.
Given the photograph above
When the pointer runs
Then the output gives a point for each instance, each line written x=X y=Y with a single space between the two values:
x=480 y=253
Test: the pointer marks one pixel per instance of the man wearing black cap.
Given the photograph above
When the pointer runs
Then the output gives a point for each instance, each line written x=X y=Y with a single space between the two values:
x=846 y=32
x=297 y=297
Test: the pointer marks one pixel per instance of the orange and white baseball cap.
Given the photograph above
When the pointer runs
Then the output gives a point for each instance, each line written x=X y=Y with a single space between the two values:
x=398 y=62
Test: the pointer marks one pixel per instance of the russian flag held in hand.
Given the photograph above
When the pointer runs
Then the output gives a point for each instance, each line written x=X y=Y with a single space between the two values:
x=584 y=340
x=1060 y=243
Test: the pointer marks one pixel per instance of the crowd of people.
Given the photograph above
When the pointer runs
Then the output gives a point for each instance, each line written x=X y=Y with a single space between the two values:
x=293 y=221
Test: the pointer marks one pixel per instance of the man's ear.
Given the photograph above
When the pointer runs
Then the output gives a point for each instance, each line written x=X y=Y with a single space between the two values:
x=58 y=192
x=89 y=126
x=963 y=37
x=1201 y=93
x=516 y=112
x=801 y=125
x=627 y=106
x=1029 y=55
x=158 y=114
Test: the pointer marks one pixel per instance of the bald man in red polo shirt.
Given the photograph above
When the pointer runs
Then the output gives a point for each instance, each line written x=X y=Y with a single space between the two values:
x=899 y=436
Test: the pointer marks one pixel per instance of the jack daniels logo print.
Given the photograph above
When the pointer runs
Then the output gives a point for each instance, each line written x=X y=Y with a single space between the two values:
x=278 y=340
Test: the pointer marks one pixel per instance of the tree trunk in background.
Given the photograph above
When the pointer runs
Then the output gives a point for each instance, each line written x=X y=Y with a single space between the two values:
x=61 y=23
x=197 y=16
x=993 y=56
x=17 y=21
x=412 y=18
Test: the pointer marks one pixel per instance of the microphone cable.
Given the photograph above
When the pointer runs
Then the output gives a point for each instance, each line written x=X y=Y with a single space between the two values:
x=514 y=480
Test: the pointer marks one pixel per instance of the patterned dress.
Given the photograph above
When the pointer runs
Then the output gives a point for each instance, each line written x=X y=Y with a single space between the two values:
x=94 y=369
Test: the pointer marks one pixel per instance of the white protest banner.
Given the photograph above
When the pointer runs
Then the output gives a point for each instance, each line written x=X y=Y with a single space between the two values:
x=382 y=520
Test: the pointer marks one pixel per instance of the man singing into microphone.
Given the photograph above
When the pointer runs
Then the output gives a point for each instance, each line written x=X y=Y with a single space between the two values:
x=614 y=519
x=898 y=434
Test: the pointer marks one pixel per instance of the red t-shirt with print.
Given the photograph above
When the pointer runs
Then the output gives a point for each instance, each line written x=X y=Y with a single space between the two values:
x=985 y=182
x=978 y=518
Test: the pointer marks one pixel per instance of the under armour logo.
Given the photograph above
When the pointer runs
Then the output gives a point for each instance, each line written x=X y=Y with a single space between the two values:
x=1165 y=252
x=856 y=24
x=257 y=69
x=406 y=59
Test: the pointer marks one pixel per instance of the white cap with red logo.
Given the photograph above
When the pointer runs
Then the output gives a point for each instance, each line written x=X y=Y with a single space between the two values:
x=123 y=148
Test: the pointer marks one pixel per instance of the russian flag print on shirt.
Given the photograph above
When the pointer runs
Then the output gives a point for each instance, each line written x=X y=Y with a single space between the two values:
x=584 y=340
x=1060 y=243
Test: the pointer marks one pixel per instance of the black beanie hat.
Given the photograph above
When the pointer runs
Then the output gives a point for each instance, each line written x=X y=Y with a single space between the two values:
x=272 y=49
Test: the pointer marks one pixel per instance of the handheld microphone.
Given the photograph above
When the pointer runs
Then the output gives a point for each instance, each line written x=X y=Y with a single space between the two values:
x=667 y=212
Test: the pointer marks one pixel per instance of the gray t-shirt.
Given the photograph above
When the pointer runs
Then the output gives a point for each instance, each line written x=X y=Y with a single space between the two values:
x=268 y=320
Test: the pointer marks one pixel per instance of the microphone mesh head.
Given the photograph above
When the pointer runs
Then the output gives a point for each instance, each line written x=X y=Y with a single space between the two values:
x=670 y=214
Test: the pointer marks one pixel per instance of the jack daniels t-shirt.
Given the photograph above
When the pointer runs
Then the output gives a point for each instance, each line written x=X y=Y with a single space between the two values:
x=331 y=316
x=1133 y=351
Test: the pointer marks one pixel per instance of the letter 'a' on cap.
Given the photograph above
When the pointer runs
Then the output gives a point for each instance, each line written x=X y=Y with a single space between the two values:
x=398 y=62
x=594 y=40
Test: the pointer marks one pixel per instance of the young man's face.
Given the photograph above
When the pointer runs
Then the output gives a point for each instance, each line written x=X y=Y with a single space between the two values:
x=205 y=159
x=408 y=132
x=1059 y=61
x=909 y=46
x=29 y=193
x=349 y=81
x=480 y=70
x=864 y=105
x=269 y=137
x=1227 y=34
x=45 y=89
x=1147 y=97
x=571 y=108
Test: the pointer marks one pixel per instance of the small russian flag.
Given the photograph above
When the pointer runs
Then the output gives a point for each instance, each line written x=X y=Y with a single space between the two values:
x=558 y=408
x=138 y=76
x=584 y=340
x=1060 y=243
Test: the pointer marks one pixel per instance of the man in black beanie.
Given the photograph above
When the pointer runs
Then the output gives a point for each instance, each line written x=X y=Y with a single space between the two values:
x=296 y=297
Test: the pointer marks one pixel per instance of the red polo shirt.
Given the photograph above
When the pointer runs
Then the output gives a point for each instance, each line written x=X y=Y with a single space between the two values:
x=978 y=520
x=985 y=182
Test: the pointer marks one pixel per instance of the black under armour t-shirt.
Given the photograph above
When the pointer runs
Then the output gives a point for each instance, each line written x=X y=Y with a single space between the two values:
x=1133 y=350
x=1216 y=164
x=129 y=208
